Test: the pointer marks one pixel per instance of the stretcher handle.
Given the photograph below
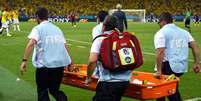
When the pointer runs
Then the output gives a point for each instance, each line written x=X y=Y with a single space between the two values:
x=171 y=91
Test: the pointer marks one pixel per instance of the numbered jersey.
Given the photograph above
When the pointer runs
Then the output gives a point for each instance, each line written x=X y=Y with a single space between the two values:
x=120 y=51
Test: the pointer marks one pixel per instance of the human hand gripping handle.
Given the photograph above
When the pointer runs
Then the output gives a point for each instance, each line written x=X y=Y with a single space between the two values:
x=23 y=67
x=90 y=67
x=157 y=74
x=196 y=68
x=88 y=77
x=88 y=81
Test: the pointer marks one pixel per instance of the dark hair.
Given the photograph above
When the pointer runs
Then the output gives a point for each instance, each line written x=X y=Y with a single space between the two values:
x=110 y=22
x=42 y=13
x=166 y=16
x=102 y=15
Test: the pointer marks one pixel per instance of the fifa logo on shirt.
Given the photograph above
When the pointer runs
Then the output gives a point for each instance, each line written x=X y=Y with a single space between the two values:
x=180 y=43
x=54 y=39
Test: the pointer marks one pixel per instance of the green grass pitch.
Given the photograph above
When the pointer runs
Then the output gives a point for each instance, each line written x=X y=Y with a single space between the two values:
x=79 y=41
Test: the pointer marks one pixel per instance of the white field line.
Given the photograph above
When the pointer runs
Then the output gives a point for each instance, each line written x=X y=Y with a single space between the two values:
x=89 y=43
x=81 y=46
x=194 y=99
x=84 y=42
x=69 y=44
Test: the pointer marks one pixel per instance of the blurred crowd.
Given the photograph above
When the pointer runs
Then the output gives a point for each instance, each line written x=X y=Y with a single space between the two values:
x=91 y=7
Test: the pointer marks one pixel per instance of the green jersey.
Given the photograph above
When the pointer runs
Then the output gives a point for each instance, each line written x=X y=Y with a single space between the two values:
x=188 y=14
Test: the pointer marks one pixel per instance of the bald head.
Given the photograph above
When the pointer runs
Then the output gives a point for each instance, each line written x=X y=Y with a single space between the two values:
x=119 y=6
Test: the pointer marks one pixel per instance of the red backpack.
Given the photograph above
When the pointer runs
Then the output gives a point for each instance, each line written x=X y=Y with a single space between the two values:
x=120 y=51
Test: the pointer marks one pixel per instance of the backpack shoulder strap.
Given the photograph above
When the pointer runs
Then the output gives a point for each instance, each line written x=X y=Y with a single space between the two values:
x=102 y=35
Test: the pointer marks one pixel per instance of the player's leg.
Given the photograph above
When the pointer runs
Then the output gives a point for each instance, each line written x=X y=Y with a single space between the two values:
x=0 y=23
x=1 y=27
x=9 y=24
x=18 y=27
x=7 y=32
x=166 y=69
x=197 y=22
x=74 y=23
x=18 y=24
x=42 y=84
x=110 y=91
x=5 y=26
x=1 y=30
x=14 y=27
x=7 y=29
x=14 y=24
x=187 y=24
x=54 y=82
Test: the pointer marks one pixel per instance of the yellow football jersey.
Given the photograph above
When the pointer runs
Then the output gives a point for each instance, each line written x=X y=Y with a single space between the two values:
x=4 y=16
x=9 y=15
x=15 y=14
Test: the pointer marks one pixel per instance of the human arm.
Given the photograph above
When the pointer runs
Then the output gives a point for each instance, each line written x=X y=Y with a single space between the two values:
x=68 y=52
x=93 y=58
x=160 y=53
x=125 y=22
x=70 y=67
x=196 y=55
x=159 y=43
x=27 y=53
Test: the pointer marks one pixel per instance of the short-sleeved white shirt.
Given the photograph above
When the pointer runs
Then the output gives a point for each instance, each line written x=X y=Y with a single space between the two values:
x=97 y=30
x=175 y=41
x=49 y=51
x=159 y=38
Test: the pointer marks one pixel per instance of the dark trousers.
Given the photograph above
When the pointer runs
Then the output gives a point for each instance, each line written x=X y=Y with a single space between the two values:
x=49 y=79
x=110 y=91
x=168 y=71
x=73 y=22
x=187 y=24
x=0 y=23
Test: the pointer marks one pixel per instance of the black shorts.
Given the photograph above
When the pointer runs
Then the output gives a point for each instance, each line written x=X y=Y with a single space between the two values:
x=110 y=91
x=73 y=20
x=166 y=69
x=0 y=23
x=187 y=21
x=197 y=20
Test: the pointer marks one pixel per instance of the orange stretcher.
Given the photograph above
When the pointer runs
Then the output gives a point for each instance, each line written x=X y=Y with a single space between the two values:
x=142 y=86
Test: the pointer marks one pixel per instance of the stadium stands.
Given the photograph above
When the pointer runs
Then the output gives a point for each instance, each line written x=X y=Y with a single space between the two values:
x=90 y=7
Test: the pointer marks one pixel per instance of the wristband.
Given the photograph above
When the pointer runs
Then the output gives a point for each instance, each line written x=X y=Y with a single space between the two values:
x=24 y=60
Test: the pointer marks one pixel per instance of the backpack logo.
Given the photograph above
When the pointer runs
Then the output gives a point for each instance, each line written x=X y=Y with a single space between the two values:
x=126 y=56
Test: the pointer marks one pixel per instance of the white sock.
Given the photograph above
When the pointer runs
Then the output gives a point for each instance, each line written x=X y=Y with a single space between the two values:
x=14 y=27
x=7 y=30
x=1 y=29
x=18 y=27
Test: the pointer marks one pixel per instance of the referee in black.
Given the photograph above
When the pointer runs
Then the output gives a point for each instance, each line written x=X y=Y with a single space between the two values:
x=122 y=18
